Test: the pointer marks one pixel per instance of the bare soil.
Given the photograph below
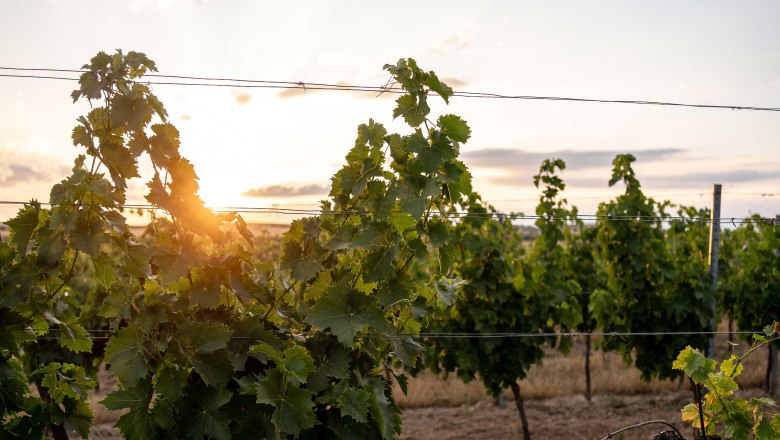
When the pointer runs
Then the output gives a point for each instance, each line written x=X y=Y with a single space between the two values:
x=570 y=418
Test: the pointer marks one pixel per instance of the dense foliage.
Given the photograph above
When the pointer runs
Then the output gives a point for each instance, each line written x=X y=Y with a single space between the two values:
x=507 y=293
x=206 y=339
x=213 y=333
x=649 y=286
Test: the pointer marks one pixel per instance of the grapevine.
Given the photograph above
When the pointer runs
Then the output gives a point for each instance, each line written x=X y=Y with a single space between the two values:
x=205 y=339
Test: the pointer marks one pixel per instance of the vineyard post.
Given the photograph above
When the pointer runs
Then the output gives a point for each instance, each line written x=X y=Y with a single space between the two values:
x=773 y=347
x=713 y=260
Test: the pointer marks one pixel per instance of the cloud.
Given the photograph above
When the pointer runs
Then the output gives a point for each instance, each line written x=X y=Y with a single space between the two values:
x=241 y=97
x=16 y=174
x=706 y=179
x=455 y=83
x=683 y=179
x=460 y=40
x=527 y=163
x=286 y=191
x=297 y=92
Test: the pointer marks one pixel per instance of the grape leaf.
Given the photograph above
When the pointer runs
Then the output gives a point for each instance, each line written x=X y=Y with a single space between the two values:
x=412 y=110
x=137 y=423
x=354 y=403
x=346 y=312
x=455 y=128
x=24 y=225
x=205 y=418
x=72 y=335
x=292 y=405
x=125 y=355
x=371 y=133
x=303 y=260
x=215 y=369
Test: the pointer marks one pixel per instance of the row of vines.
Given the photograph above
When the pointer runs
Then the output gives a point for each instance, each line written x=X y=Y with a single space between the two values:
x=214 y=334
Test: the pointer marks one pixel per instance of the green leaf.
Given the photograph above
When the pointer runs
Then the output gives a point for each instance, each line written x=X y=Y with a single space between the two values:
x=415 y=206
x=164 y=144
x=74 y=415
x=438 y=232
x=294 y=361
x=125 y=355
x=137 y=423
x=455 y=128
x=346 y=312
x=292 y=405
x=65 y=380
x=216 y=369
x=24 y=225
x=302 y=258
x=297 y=363
x=434 y=156
x=354 y=403
x=205 y=418
x=379 y=263
x=372 y=134
x=402 y=221
x=447 y=290
x=694 y=364
x=14 y=387
x=406 y=349
x=384 y=410
x=72 y=335
x=105 y=271
x=413 y=112
x=170 y=380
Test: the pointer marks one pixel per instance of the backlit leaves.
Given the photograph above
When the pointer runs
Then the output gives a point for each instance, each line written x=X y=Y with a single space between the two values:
x=300 y=338
x=346 y=312
x=126 y=356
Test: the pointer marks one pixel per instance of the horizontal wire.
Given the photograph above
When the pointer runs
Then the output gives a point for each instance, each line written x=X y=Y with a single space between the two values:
x=477 y=335
x=461 y=215
x=455 y=335
x=251 y=83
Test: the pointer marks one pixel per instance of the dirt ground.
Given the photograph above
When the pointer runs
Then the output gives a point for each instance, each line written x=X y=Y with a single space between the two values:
x=571 y=418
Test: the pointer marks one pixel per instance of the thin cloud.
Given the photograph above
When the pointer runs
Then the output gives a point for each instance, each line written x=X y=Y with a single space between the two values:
x=527 y=163
x=706 y=179
x=16 y=174
x=455 y=83
x=241 y=97
x=297 y=92
x=286 y=191
x=702 y=180
x=458 y=41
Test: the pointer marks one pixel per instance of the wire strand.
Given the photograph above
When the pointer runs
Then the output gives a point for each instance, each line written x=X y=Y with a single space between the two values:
x=460 y=214
x=450 y=335
x=254 y=83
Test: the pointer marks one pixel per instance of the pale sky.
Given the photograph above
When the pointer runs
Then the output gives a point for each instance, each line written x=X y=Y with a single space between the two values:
x=283 y=147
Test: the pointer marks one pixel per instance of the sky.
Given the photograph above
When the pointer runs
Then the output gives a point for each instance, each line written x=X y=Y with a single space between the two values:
x=268 y=147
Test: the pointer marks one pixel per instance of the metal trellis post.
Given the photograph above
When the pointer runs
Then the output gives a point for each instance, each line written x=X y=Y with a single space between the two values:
x=713 y=261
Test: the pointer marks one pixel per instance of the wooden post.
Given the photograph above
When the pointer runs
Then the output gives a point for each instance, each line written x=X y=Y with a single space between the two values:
x=773 y=347
x=713 y=261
